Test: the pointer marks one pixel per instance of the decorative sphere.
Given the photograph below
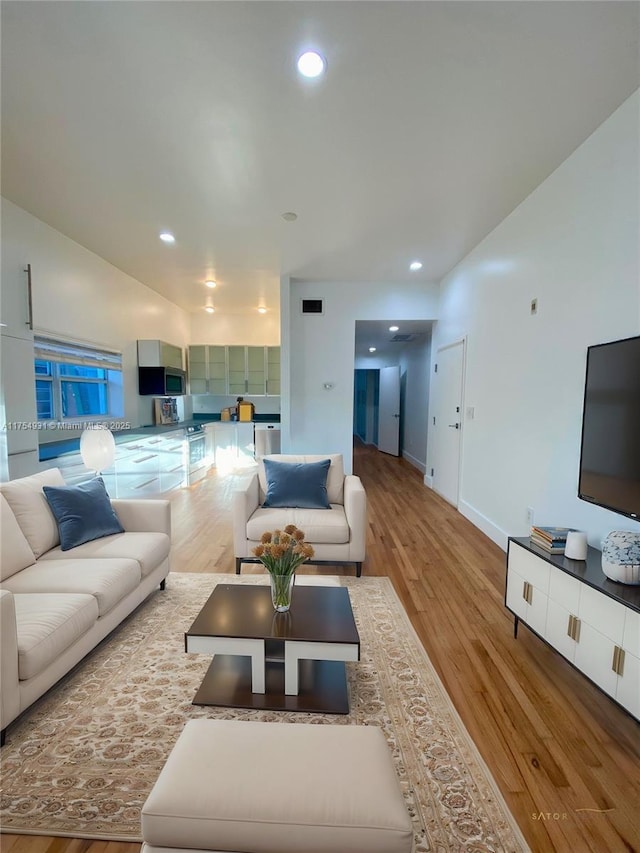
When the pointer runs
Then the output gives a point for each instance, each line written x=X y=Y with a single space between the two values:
x=621 y=556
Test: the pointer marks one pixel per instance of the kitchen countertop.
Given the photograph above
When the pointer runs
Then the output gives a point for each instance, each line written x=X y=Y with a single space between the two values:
x=52 y=449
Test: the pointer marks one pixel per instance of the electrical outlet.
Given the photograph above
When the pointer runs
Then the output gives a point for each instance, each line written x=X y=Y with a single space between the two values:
x=530 y=515
x=471 y=413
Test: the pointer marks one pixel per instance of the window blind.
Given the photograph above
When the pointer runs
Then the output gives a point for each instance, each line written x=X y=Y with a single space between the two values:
x=46 y=349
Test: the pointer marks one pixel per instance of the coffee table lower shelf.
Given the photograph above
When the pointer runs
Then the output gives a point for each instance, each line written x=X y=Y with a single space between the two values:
x=322 y=686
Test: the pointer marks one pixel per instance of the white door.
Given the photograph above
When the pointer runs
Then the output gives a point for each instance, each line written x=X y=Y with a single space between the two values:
x=448 y=421
x=389 y=411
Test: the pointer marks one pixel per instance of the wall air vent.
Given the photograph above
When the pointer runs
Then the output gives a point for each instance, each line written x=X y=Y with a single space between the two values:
x=402 y=339
x=312 y=306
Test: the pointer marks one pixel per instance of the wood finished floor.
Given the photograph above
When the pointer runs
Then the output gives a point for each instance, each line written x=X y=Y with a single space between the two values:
x=565 y=757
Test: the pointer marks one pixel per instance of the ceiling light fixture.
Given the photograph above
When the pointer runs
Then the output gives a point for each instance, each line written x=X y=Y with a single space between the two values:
x=393 y=328
x=262 y=310
x=415 y=265
x=311 y=64
x=372 y=349
x=289 y=216
x=209 y=309
x=210 y=283
x=167 y=237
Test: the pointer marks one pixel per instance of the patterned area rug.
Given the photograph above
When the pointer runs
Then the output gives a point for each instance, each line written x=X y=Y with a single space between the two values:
x=81 y=761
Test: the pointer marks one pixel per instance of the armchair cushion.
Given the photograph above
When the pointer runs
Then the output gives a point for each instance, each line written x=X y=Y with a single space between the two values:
x=82 y=512
x=320 y=526
x=297 y=484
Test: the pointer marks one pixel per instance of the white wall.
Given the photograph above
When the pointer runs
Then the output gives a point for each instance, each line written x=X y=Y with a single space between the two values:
x=318 y=349
x=231 y=329
x=78 y=295
x=573 y=245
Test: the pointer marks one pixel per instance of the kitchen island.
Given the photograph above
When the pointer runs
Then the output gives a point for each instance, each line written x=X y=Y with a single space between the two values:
x=152 y=460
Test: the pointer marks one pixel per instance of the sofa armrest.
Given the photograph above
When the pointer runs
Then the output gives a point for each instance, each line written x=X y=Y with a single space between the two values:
x=245 y=503
x=143 y=516
x=9 y=686
x=355 y=509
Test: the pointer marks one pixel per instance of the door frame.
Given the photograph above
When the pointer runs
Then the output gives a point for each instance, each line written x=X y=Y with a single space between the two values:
x=428 y=479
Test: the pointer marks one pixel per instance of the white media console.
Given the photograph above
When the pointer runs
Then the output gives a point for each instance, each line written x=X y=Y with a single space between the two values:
x=590 y=620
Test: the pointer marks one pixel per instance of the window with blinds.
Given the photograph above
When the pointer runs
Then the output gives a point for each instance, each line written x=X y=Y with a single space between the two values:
x=74 y=381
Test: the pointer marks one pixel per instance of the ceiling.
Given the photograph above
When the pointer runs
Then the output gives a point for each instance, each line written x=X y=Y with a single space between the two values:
x=433 y=121
x=389 y=345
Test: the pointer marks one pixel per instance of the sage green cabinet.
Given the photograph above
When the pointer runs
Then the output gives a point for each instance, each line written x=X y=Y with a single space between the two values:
x=217 y=370
x=155 y=353
x=234 y=370
x=273 y=371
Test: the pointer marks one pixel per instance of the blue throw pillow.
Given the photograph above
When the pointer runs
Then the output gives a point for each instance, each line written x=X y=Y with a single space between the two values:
x=300 y=484
x=82 y=512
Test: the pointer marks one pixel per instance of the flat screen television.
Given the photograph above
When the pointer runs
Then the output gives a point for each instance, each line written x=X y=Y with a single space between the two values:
x=610 y=448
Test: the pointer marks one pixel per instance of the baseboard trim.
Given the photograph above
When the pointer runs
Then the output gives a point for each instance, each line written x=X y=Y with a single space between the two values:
x=490 y=529
x=428 y=481
x=413 y=461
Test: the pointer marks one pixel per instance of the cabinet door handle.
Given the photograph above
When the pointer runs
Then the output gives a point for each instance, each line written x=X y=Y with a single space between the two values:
x=576 y=629
x=29 y=320
x=570 y=627
x=617 y=664
x=527 y=592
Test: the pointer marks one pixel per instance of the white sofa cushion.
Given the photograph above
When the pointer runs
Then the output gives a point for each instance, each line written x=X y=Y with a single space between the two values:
x=149 y=549
x=47 y=625
x=109 y=581
x=335 y=476
x=15 y=551
x=30 y=507
x=320 y=526
x=278 y=788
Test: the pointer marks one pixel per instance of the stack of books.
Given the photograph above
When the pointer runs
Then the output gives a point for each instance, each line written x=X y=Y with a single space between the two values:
x=551 y=539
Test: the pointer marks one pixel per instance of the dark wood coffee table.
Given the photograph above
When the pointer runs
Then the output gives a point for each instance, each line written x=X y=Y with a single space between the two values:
x=265 y=660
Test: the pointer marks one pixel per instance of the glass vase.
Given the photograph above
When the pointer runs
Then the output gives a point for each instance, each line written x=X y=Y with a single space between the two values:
x=281 y=591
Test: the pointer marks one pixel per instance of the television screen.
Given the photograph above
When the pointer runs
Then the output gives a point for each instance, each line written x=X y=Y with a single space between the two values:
x=610 y=451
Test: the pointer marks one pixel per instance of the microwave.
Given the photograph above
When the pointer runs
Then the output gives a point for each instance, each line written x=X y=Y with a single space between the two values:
x=162 y=381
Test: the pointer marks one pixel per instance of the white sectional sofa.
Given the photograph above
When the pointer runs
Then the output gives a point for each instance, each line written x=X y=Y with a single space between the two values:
x=55 y=606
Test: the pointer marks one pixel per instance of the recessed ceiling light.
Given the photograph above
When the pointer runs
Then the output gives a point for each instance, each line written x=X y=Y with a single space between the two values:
x=210 y=283
x=415 y=265
x=393 y=328
x=167 y=237
x=372 y=349
x=311 y=64
x=289 y=216
x=262 y=310
x=209 y=309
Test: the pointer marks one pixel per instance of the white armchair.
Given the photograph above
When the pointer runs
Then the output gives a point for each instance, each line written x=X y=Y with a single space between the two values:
x=337 y=534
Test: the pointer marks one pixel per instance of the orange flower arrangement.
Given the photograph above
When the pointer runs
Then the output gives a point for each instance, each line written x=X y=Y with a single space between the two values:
x=282 y=551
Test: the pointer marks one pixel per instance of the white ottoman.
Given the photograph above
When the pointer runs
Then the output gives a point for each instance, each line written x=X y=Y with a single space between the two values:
x=259 y=787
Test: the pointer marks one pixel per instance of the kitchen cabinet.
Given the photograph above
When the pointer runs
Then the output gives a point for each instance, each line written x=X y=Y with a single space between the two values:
x=237 y=370
x=145 y=466
x=273 y=371
x=155 y=353
x=17 y=378
x=229 y=444
x=592 y=621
